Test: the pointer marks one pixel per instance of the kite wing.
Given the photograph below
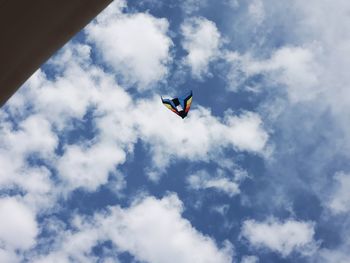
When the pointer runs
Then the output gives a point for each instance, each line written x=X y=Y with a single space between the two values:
x=188 y=102
x=170 y=105
x=180 y=106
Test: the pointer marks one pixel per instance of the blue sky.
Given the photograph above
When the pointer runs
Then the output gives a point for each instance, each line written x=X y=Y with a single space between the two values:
x=95 y=169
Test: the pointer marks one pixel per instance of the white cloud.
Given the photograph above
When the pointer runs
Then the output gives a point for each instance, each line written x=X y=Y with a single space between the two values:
x=340 y=198
x=18 y=227
x=74 y=246
x=9 y=256
x=202 y=42
x=203 y=180
x=135 y=45
x=246 y=132
x=89 y=167
x=34 y=135
x=154 y=231
x=151 y=229
x=201 y=136
x=282 y=237
x=66 y=96
x=296 y=68
x=32 y=138
x=293 y=67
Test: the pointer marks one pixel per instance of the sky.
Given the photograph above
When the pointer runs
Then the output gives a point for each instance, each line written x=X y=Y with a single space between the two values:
x=95 y=169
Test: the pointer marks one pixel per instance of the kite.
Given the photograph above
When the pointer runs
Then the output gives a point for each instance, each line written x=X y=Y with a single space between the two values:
x=180 y=105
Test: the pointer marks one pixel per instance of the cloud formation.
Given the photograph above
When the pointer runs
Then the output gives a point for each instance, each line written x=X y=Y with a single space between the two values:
x=136 y=45
x=151 y=229
x=201 y=40
x=282 y=237
x=203 y=180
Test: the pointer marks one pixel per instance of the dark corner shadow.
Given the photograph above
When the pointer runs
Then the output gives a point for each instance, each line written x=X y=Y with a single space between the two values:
x=31 y=31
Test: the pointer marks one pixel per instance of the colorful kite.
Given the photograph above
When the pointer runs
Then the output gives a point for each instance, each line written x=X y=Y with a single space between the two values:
x=180 y=105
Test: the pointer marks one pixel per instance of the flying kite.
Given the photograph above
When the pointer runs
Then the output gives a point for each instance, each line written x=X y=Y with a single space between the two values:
x=180 y=105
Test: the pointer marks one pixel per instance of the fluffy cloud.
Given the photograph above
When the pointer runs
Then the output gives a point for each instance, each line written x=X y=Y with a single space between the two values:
x=202 y=42
x=33 y=136
x=32 y=139
x=135 y=45
x=151 y=229
x=282 y=237
x=89 y=167
x=155 y=231
x=18 y=227
x=64 y=96
x=199 y=137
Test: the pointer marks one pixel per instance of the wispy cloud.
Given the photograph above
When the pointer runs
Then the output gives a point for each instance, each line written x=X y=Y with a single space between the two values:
x=283 y=237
